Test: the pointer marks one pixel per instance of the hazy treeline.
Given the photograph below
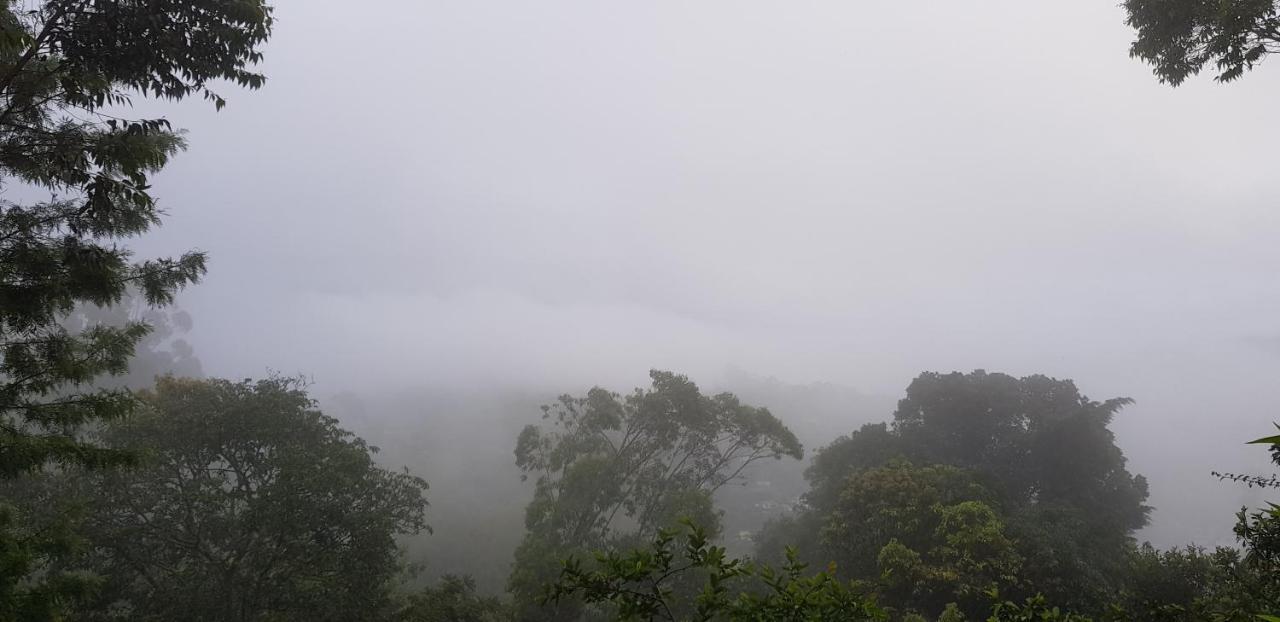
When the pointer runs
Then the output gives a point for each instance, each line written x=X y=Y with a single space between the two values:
x=972 y=501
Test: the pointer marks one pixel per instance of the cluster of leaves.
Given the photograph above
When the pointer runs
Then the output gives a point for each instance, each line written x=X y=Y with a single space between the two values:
x=1259 y=533
x=925 y=537
x=612 y=470
x=1191 y=584
x=1033 y=609
x=651 y=584
x=453 y=600
x=1179 y=38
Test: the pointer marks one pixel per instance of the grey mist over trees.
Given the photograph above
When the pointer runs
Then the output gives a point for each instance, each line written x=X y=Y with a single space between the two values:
x=677 y=310
x=548 y=200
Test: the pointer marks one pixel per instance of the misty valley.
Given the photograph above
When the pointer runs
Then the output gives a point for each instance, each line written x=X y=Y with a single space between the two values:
x=726 y=311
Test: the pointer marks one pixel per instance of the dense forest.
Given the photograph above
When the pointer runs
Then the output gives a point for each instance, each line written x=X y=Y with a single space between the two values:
x=135 y=487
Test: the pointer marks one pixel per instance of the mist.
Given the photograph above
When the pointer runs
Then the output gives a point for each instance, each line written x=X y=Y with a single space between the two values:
x=451 y=197
x=444 y=215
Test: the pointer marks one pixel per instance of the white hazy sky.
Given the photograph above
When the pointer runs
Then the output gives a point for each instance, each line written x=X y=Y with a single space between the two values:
x=568 y=193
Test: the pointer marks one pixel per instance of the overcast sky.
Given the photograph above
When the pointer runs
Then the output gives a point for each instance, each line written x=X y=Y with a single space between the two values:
x=562 y=194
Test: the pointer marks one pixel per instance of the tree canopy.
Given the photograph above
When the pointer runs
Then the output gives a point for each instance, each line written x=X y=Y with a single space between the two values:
x=612 y=470
x=1181 y=38
x=641 y=584
x=927 y=537
x=66 y=68
x=249 y=504
x=1029 y=463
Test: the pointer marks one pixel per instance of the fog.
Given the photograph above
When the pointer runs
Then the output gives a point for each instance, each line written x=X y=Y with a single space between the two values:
x=433 y=201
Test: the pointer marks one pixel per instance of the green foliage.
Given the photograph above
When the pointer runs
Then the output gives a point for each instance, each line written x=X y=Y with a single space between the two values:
x=1259 y=531
x=872 y=445
x=1034 y=609
x=1166 y=584
x=1273 y=440
x=952 y=613
x=1259 y=481
x=1259 y=535
x=1036 y=439
x=642 y=584
x=63 y=64
x=248 y=504
x=1179 y=38
x=1191 y=584
x=898 y=501
x=1035 y=458
x=24 y=552
x=453 y=600
x=163 y=351
x=927 y=536
x=1186 y=585
x=612 y=470
x=801 y=531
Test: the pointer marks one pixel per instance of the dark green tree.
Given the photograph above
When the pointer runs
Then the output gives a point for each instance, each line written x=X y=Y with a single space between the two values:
x=1033 y=609
x=925 y=536
x=872 y=445
x=1057 y=482
x=1190 y=584
x=611 y=470
x=1036 y=438
x=1258 y=532
x=644 y=584
x=248 y=504
x=66 y=68
x=77 y=179
x=1180 y=38
x=454 y=599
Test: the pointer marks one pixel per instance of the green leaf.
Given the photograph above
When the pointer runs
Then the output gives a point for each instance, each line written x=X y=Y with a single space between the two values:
x=1267 y=440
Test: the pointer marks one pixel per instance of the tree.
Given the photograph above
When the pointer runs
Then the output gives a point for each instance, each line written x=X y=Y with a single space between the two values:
x=1190 y=584
x=453 y=600
x=1179 y=38
x=63 y=65
x=249 y=504
x=1033 y=609
x=162 y=352
x=872 y=445
x=926 y=536
x=1055 y=479
x=1037 y=438
x=638 y=585
x=613 y=470
x=67 y=68
x=1259 y=535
